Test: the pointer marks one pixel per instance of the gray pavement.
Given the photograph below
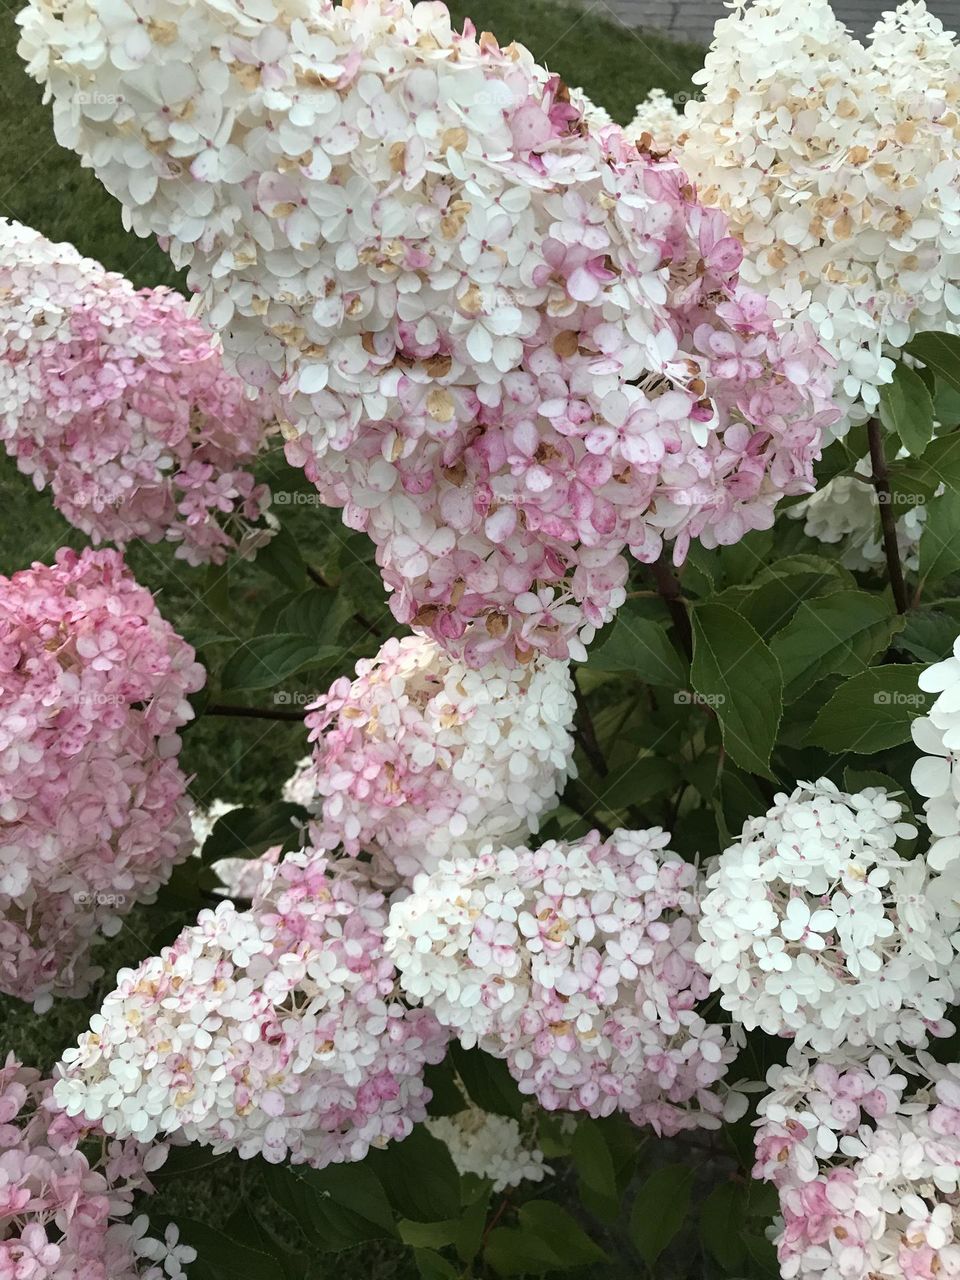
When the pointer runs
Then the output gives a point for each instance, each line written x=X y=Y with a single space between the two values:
x=692 y=20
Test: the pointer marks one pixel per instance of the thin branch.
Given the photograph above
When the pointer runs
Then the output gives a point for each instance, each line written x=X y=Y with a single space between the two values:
x=672 y=597
x=253 y=713
x=586 y=734
x=316 y=576
x=888 y=523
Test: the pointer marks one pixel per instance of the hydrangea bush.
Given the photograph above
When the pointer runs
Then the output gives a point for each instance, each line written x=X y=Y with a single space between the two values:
x=609 y=921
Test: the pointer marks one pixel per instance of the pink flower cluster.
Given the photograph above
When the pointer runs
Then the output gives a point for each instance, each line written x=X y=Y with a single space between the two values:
x=61 y=1210
x=118 y=400
x=275 y=1031
x=510 y=345
x=93 y=806
x=575 y=964
x=421 y=758
x=868 y=1173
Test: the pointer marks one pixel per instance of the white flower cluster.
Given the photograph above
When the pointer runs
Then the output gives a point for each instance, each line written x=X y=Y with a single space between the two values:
x=575 y=964
x=845 y=510
x=421 y=758
x=815 y=927
x=839 y=167
x=936 y=775
x=274 y=1031
x=490 y=1146
x=657 y=124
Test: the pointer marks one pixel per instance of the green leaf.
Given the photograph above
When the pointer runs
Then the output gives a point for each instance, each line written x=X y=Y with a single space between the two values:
x=736 y=673
x=225 y=1256
x=432 y=1267
x=638 y=780
x=946 y=404
x=721 y=1224
x=428 y=1235
x=487 y=1081
x=448 y=1098
x=659 y=1210
x=771 y=600
x=906 y=409
x=419 y=1177
x=929 y=634
x=917 y=479
x=337 y=1207
x=246 y=833
x=281 y=557
x=264 y=661
x=939 y=352
x=594 y=1165
x=834 y=635
x=511 y=1251
x=940 y=540
x=642 y=647
x=567 y=1237
x=473 y=1222
x=320 y=612
x=871 y=712
x=547 y=1239
x=740 y=798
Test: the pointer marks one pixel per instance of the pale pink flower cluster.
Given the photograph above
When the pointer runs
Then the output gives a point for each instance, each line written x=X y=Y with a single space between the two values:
x=868 y=1174
x=62 y=1210
x=839 y=167
x=276 y=1031
x=816 y=927
x=93 y=805
x=117 y=399
x=510 y=346
x=421 y=758
x=574 y=963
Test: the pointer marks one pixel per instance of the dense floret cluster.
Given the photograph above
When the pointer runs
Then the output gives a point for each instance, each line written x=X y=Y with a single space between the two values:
x=509 y=344
x=490 y=1146
x=275 y=1031
x=867 y=1173
x=117 y=399
x=839 y=167
x=575 y=964
x=815 y=927
x=62 y=1207
x=93 y=806
x=421 y=758
x=935 y=775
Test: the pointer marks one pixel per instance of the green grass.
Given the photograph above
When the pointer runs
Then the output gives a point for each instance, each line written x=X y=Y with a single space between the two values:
x=45 y=187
